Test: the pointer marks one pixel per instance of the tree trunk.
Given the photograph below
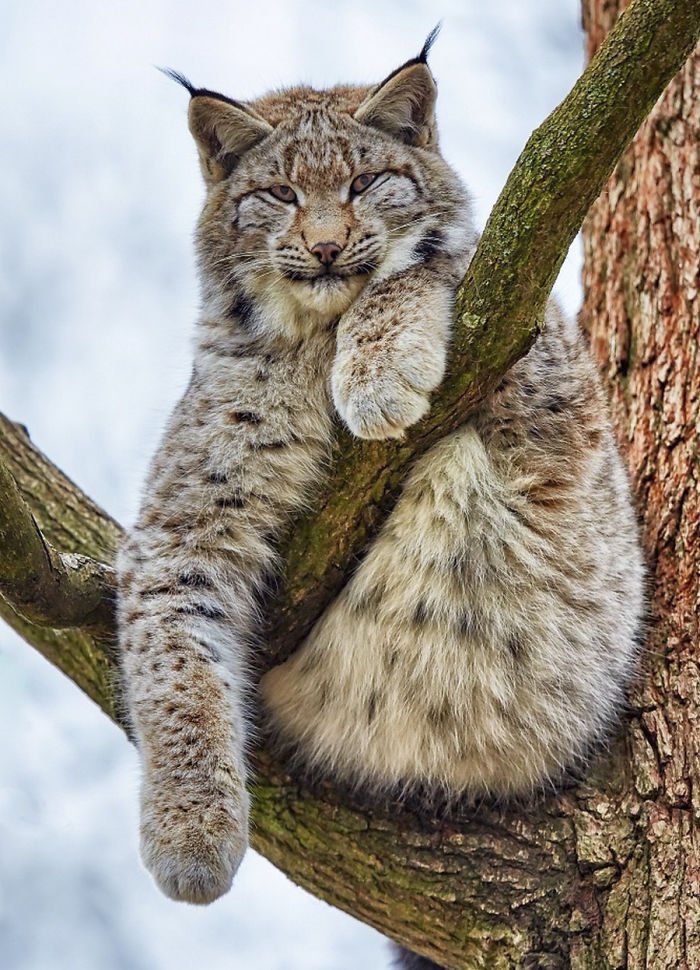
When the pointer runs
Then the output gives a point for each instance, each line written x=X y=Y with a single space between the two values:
x=603 y=876
x=642 y=312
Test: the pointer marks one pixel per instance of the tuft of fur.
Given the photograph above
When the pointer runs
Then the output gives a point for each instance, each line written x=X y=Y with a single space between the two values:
x=485 y=642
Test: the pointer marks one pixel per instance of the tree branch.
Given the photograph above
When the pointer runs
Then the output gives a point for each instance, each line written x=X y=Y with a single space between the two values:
x=50 y=588
x=69 y=521
x=482 y=888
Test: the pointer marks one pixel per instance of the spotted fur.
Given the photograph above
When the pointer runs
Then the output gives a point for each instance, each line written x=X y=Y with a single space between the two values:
x=485 y=641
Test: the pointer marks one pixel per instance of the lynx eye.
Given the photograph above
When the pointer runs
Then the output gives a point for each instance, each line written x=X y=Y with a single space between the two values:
x=283 y=193
x=362 y=182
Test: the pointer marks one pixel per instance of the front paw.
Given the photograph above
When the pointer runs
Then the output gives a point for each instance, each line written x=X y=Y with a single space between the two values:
x=380 y=396
x=379 y=391
x=382 y=408
x=193 y=846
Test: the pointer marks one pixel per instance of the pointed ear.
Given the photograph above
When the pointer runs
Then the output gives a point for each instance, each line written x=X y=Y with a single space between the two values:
x=404 y=103
x=223 y=129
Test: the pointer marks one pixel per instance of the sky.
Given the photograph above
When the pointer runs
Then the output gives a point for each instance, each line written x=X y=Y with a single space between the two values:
x=99 y=191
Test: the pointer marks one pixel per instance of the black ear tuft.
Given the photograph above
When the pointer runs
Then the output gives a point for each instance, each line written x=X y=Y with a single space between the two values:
x=429 y=41
x=196 y=92
x=223 y=129
x=179 y=79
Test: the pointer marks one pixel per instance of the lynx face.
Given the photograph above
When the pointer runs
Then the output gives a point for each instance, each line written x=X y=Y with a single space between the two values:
x=313 y=193
x=309 y=227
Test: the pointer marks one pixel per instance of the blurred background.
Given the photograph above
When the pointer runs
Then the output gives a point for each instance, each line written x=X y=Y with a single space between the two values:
x=99 y=190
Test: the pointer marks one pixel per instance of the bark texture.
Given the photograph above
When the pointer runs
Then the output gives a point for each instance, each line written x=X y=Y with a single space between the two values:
x=605 y=875
x=68 y=520
x=642 y=311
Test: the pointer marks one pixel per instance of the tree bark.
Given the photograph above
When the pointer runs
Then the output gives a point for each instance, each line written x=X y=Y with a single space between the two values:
x=642 y=312
x=602 y=876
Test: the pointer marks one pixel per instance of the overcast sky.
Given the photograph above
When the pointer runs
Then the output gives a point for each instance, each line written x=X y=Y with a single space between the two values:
x=99 y=190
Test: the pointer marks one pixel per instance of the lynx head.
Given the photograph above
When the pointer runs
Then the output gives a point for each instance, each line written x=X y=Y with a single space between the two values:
x=311 y=193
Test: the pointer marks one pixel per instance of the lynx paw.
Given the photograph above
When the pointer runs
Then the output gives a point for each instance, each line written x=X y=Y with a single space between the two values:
x=382 y=411
x=193 y=849
x=380 y=395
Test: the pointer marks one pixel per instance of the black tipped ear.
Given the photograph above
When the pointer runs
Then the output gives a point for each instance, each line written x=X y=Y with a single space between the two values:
x=223 y=129
x=403 y=105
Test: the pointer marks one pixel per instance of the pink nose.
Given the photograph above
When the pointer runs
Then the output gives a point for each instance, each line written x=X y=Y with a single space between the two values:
x=326 y=252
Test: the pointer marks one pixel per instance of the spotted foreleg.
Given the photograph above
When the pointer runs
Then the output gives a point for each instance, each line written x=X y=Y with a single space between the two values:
x=184 y=678
x=391 y=352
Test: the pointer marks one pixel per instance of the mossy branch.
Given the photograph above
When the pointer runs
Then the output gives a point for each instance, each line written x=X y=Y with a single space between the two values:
x=484 y=888
x=50 y=588
x=37 y=497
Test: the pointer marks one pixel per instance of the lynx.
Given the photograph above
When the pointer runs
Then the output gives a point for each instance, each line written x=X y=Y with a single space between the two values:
x=484 y=643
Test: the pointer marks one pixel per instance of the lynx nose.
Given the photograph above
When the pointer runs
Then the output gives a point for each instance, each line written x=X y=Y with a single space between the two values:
x=326 y=252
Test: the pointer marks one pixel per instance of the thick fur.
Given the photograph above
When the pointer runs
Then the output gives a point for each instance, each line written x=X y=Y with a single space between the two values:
x=485 y=641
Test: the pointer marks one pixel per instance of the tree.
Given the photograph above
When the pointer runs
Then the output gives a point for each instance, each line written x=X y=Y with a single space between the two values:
x=554 y=884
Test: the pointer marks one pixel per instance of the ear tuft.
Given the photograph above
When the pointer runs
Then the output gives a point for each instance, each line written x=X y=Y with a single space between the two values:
x=223 y=129
x=178 y=78
x=403 y=105
x=429 y=41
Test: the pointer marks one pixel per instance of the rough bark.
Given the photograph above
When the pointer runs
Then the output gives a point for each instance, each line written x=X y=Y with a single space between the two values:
x=642 y=311
x=58 y=589
x=69 y=521
x=604 y=875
